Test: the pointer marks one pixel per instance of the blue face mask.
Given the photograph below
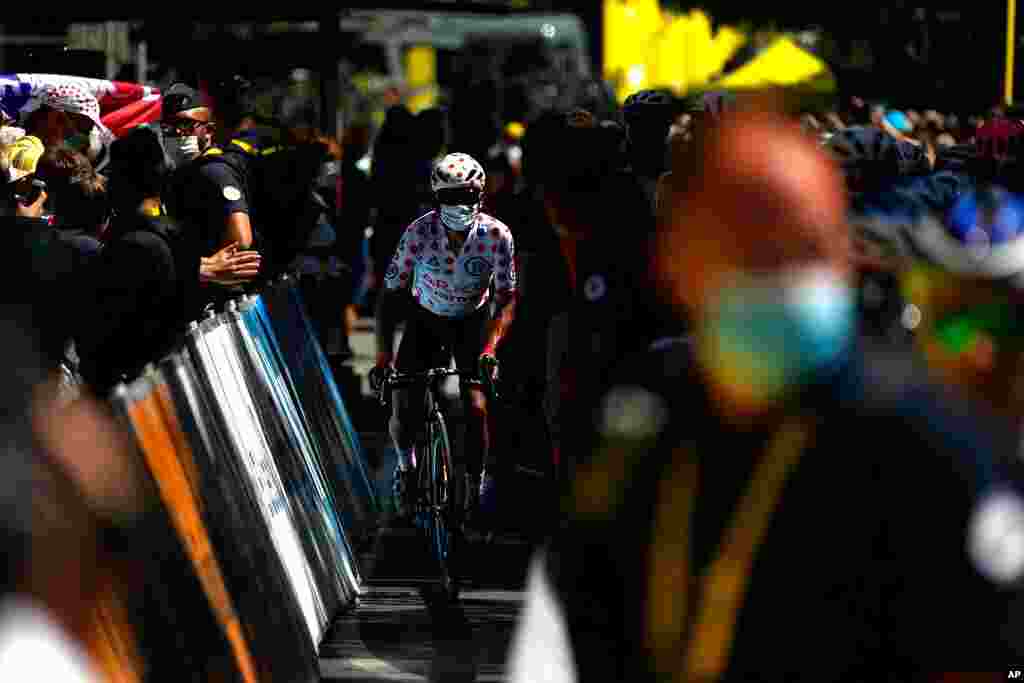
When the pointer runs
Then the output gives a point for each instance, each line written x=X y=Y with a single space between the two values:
x=459 y=218
x=766 y=336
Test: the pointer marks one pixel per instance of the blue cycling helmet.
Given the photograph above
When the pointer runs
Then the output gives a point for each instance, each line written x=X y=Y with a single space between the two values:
x=648 y=104
x=981 y=237
x=899 y=121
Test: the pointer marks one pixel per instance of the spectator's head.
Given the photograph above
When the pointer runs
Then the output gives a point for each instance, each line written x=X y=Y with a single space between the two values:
x=876 y=114
x=356 y=142
x=138 y=169
x=871 y=158
x=432 y=125
x=77 y=194
x=69 y=116
x=232 y=105
x=24 y=194
x=767 y=279
x=576 y=189
x=649 y=115
x=914 y=117
x=186 y=123
x=50 y=125
x=499 y=172
x=541 y=147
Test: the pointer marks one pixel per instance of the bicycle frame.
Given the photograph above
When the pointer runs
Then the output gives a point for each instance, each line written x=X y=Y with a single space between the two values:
x=438 y=488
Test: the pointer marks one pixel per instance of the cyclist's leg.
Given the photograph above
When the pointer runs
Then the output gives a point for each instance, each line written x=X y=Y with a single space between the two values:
x=467 y=345
x=417 y=349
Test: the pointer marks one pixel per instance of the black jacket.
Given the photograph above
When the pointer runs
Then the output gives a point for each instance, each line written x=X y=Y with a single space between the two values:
x=144 y=292
x=41 y=280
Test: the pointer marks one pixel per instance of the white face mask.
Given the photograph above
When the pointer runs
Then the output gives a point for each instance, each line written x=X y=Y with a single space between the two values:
x=459 y=218
x=181 y=150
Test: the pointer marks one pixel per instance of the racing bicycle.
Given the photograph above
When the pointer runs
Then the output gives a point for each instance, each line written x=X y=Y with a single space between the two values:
x=437 y=492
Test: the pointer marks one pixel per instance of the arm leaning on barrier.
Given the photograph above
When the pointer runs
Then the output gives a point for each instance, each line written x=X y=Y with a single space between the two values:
x=229 y=266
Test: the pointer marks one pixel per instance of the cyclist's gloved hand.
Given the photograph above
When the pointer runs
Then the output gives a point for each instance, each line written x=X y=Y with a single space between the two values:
x=489 y=364
x=381 y=370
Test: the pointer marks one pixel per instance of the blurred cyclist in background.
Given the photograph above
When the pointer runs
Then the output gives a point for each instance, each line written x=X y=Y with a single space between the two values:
x=964 y=293
x=649 y=115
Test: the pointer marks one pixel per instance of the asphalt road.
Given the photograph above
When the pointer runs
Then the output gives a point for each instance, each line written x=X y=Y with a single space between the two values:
x=399 y=631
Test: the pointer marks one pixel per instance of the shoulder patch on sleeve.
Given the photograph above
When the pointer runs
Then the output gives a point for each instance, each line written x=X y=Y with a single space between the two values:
x=232 y=193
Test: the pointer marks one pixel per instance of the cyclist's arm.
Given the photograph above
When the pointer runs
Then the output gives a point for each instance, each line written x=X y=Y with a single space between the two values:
x=397 y=284
x=506 y=295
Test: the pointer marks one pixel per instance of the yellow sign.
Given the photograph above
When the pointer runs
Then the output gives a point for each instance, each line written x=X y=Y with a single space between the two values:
x=645 y=47
x=421 y=77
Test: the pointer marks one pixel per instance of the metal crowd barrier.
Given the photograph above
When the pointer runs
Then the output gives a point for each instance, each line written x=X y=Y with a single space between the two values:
x=262 y=475
x=281 y=312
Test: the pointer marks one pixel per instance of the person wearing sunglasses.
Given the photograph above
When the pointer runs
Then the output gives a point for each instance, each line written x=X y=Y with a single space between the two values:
x=185 y=124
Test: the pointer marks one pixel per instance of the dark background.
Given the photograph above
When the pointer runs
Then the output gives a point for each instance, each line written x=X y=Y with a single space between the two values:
x=948 y=55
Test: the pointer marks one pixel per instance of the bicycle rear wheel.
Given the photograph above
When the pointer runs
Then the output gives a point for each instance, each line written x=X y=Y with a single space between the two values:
x=442 y=502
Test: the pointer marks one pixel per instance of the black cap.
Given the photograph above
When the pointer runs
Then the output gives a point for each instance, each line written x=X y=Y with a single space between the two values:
x=181 y=100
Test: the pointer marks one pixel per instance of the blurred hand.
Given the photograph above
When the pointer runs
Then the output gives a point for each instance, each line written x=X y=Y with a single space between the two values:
x=229 y=266
x=489 y=366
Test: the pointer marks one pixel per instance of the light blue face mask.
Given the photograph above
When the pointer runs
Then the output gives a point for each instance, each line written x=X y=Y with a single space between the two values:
x=767 y=335
x=459 y=218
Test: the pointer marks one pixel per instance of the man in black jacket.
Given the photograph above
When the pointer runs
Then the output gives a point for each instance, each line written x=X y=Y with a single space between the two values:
x=146 y=283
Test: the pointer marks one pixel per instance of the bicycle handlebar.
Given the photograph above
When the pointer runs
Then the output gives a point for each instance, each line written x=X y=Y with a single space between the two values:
x=395 y=380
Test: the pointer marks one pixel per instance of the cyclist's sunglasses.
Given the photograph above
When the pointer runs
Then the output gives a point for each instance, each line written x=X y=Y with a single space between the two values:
x=458 y=196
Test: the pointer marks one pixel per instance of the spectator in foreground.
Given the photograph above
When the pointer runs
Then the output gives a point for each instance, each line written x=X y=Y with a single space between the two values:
x=694 y=547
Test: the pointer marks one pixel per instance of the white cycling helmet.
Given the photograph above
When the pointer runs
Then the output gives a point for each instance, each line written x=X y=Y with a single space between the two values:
x=457 y=172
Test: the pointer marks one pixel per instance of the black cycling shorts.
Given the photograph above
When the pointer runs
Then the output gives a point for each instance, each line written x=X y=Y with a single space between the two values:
x=430 y=340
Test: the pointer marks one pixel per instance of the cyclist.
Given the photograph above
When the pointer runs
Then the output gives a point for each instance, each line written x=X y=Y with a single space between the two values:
x=450 y=260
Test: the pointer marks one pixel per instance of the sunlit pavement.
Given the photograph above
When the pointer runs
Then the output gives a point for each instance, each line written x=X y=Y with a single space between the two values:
x=399 y=631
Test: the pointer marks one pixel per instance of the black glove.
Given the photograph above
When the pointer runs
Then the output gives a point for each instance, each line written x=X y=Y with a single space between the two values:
x=489 y=367
x=377 y=376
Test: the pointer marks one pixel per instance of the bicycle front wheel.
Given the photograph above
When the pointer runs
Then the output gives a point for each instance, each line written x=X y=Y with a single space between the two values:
x=442 y=502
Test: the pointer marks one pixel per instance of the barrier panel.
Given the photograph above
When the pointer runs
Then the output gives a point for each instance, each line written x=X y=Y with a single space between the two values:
x=214 y=352
x=255 y=575
x=281 y=312
x=304 y=478
x=262 y=476
x=173 y=470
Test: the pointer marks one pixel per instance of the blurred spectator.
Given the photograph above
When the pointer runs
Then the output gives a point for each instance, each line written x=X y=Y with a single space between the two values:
x=396 y=185
x=354 y=216
x=648 y=115
x=42 y=265
x=681 y=555
x=589 y=201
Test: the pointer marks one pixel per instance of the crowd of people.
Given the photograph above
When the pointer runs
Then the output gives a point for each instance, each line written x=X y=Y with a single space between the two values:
x=771 y=354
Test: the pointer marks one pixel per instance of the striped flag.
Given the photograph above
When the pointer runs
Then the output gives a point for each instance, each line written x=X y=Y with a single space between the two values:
x=122 y=105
